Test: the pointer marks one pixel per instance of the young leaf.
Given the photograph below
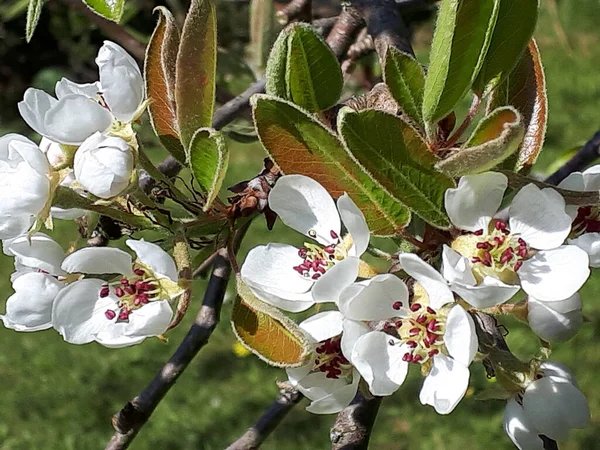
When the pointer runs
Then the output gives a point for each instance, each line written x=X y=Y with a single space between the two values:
x=398 y=157
x=496 y=137
x=525 y=90
x=34 y=10
x=513 y=30
x=300 y=144
x=406 y=79
x=461 y=39
x=208 y=158
x=159 y=75
x=109 y=9
x=303 y=69
x=266 y=332
x=262 y=30
x=196 y=69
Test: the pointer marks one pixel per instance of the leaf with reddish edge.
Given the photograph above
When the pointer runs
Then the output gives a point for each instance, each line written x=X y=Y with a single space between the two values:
x=299 y=144
x=196 y=69
x=525 y=90
x=159 y=75
x=266 y=331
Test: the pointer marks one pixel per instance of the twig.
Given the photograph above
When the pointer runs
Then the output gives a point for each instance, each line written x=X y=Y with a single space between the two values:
x=201 y=270
x=584 y=157
x=353 y=425
x=296 y=10
x=465 y=124
x=344 y=32
x=256 y=435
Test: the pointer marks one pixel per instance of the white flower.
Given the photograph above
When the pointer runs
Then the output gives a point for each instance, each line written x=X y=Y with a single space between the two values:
x=80 y=110
x=432 y=331
x=550 y=406
x=294 y=279
x=496 y=258
x=121 y=313
x=555 y=321
x=104 y=165
x=328 y=379
x=24 y=184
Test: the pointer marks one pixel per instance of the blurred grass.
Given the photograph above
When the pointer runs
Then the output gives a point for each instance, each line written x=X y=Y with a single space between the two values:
x=58 y=396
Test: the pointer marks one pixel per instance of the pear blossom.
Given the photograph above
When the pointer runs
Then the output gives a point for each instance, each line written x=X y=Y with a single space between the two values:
x=25 y=184
x=495 y=258
x=555 y=321
x=294 y=279
x=383 y=332
x=104 y=165
x=80 y=110
x=328 y=379
x=550 y=406
x=119 y=313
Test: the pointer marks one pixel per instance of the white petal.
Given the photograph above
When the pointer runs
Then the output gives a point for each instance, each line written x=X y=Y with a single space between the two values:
x=431 y=280
x=555 y=274
x=474 y=202
x=539 y=217
x=30 y=307
x=323 y=326
x=78 y=313
x=352 y=330
x=490 y=292
x=306 y=206
x=456 y=268
x=354 y=221
x=378 y=358
x=460 y=336
x=558 y=370
x=66 y=87
x=591 y=178
x=373 y=299
x=329 y=287
x=590 y=243
x=98 y=260
x=554 y=406
x=33 y=109
x=519 y=429
x=38 y=252
x=552 y=325
x=446 y=384
x=13 y=226
x=328 y=395
x=574 y=182
x=288 y=301
x=156 y=258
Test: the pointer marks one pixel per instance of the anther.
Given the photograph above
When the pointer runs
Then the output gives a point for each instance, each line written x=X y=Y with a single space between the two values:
x=433 y=352
x=411 y=344
x=417 y=358
x=119 y=292
x=500 y=225
x=139 y=272
x=124 y=281
x=330 y=249
x=316 y=276
x=430 y=310
x=407 y=357
x=421 y=319
x=484 y=245
x=104 y=291
x=478 y=232
x=110 y=314
x=518 y=265
x=415 y=307
x=397 y=305
x=333 y=234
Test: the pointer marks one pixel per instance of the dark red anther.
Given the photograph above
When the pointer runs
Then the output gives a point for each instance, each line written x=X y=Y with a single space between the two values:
x=110 y=314
x=414 y=331
x=104 y=291
x=397 y=305
x=522 y=242
x=333 y=234
x=478 y=232
x=137 y=301
x=330 y=249
x=484 y=245
x=119 y=292
x=417 y=358
x=124 y=314
x=139 y=272
x=415 y=307
x=407 y=357
x=433 y=352
x=129 y=289
x=500 y=225
x=499 y=240
x=411 y=344
x=430 y=310
x=316 y=276
x=421 y=319
x=475 y=260
x=522 y=252
x=507 y=255
x=302 y=252
x=320 y=269
x=297 y=269
x=432 y=325
x=398 y=324
x=518 y=265
x=124 y=281
x=144 y=298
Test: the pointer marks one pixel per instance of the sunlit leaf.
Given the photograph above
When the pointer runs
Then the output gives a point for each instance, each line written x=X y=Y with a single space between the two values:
x=398 y=157
x=34 y=10
x=266 y=332
x=109 y=9
x=301 y=145
x=196 y=69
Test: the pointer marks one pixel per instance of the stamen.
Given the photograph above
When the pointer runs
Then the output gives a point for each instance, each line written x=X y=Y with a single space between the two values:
x=333 y=234
x=397 y=305
x=415 y=307
x=110 y=314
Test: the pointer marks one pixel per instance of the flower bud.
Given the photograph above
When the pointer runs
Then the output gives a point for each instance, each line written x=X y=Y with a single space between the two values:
x=555 y=321
x=104 y=165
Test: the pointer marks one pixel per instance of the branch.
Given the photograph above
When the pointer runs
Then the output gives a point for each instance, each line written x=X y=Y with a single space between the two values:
x=353 y=425
x=344 y=32
x=583 y=158
x=296 y=10
x=257 y=434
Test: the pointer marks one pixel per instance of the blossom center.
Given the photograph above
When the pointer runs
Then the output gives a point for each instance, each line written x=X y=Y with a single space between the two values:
x=587 y=221
x=317 y=260
x=331 y=360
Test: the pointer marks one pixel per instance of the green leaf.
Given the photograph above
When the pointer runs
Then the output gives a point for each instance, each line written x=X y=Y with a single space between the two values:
x=34 y=10
x=303 y=69
x=109 y=9
x=496 y=137
x=514 y=28
x=266 y=332
x=398 y=157
x=262 y=30
x=406 y=79
x=301 y=145
x=460 y=42
x=525 y=90
x=209 y=157
x=196 y=69
x=159 y=75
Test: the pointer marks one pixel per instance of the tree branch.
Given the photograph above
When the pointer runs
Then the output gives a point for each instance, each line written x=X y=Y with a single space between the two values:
x=257 y=434
x=344 y=32
x=583 y=158
x=353 y=425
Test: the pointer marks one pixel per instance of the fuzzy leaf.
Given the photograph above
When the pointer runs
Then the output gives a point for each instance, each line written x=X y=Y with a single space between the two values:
x=209 y=158
x=525 y=90
x=513 y=31
x=496 y=137
x=398 y=157
x=266 y=332
x=301 y=145
x=406 y=80
x=159 y=75
x=196 y=69
x=34 y=10
x=262 y=30
x=109 y=9
x=461 y=39
x=303 y=69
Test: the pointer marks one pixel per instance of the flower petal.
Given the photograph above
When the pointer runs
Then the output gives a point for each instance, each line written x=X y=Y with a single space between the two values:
x=456 y=268
x=556 y=369
x=553 y=325
x=591 y=178
x=307 y=207
x=352 y=330
x=446 y=384
x=33 y=109
x=12 y=226
x=590 y=243
x=354 y=221
x=460 y=336
x=98 y=260
x=66 y=87
x=288 y=301
x=431 y=280
x=519 y=429
x=323 y=326
x=156 y=258
x=474 y=202
x=557 y=274
x=38 y=252
x=490 y=292
x=329 y=287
